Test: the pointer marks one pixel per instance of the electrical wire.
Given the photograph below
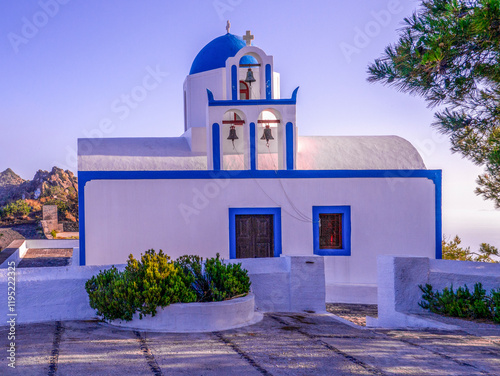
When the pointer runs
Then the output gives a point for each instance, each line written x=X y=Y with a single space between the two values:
x=301 y=216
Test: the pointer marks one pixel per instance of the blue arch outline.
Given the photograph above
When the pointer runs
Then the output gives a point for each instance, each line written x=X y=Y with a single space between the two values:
x=269 y=83
x=253 y=149
x=216 y=146
x=234 y=82
x=290 y=154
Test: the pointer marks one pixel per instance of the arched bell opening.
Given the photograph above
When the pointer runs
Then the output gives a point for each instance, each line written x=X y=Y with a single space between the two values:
x=244 y=90
x=249 y=75
x=233 y=140
x=268 y=134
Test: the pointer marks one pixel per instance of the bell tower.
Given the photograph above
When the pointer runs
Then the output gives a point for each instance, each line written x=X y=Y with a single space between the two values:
x=233 y=108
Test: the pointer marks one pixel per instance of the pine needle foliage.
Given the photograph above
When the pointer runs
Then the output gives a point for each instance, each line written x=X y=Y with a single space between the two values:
x=448 y=52
x=452 y=250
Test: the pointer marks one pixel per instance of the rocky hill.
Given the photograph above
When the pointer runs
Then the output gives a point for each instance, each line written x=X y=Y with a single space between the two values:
x=9 y=186
x=24 y=198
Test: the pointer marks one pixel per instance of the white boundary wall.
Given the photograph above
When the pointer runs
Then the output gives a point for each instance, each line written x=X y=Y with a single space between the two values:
x=399 y=294
x=285 y=284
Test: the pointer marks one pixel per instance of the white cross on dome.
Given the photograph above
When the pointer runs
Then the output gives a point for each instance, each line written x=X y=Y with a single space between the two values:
x=248 y=37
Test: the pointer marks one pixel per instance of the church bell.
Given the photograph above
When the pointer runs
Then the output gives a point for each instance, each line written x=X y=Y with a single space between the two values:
x=232 y=134
x=250 y=78
x=267 y=135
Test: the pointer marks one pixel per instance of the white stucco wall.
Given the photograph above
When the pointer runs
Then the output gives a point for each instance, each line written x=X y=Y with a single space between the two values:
x=389 y=216
x=196 y=86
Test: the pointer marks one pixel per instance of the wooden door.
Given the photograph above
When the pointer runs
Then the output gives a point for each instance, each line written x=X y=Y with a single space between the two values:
x=254 y=236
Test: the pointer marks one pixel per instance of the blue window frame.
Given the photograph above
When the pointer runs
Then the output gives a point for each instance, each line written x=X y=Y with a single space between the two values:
x=341 y=245
x=275 y=212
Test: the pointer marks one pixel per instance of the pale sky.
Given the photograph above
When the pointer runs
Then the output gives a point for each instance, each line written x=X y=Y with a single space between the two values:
x=67 y=65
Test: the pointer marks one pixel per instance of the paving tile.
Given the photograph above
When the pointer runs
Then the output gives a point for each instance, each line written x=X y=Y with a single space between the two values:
x=280 y=345
x=473 y=352
x=283 y=350
x=197 y=354
x=89 y=348
x=33 y=349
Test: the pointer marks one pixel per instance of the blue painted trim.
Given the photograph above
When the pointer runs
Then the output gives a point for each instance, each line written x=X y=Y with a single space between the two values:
x=81 y=217
x=210 y=96
x=289 y=146
x=216 y=146
x=269 y=84
x=252 y=102
x=434 y=175
x=86 y=176
x=234 y=82
x=439 y=215
x=233 y=212
x=346 y=230
x=253 y=149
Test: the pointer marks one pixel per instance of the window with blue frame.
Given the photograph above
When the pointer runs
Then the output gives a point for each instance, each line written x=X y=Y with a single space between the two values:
x=332 y=230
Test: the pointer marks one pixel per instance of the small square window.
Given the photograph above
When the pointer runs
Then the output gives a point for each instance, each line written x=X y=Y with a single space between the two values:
x=332 y=230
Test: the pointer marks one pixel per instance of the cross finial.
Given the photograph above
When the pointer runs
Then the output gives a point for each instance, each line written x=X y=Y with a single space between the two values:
x=248 y=37
x=228 y=26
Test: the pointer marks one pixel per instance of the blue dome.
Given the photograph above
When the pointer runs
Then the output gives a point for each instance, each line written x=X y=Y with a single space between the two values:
x=215 y=54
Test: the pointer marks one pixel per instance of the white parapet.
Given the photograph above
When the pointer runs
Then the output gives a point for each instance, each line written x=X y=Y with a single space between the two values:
x=287 y=283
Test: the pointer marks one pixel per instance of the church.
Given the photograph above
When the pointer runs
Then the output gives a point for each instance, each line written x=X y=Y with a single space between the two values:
x=241 y=181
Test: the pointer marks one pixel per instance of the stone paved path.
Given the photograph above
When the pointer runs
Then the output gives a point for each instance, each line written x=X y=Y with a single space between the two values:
x=281 y=344
x=355 y=313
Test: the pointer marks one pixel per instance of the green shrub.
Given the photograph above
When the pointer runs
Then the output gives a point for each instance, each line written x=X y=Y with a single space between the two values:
x=495 y=305
x=61 y=205
x=215 y=281
x=110 y=296
x=155 y=281
x=227 y=280
x=16 y=208
x=462 y=303
x=193 y=265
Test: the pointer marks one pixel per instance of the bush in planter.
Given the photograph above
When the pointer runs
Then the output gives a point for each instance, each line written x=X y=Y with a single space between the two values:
x=109 y=295
x=142 y=287
x=215 y=281
x=155 y=281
